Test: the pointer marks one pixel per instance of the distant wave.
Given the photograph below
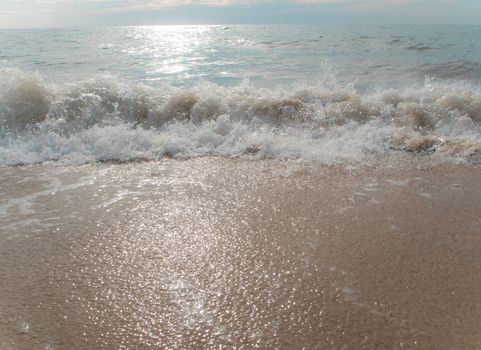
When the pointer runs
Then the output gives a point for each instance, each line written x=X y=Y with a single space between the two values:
x=109 y=119
x=420 y=48
x=470 y=71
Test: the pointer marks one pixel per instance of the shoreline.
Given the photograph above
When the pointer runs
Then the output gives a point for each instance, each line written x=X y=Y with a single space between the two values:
x=217 y=251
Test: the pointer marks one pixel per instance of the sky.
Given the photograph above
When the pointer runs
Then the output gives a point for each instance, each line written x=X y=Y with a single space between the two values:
x=55 y=13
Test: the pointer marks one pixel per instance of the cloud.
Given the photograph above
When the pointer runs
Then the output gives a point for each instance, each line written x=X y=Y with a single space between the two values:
x=141 y=5
x=133 y=5
x=113 y=6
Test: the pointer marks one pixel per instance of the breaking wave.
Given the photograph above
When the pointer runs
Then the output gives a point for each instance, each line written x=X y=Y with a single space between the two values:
x=110 y=119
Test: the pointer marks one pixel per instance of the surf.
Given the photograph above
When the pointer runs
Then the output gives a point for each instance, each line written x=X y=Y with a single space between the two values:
x=109 y=118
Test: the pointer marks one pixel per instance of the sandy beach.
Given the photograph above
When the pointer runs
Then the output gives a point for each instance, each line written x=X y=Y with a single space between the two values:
x=219 y=253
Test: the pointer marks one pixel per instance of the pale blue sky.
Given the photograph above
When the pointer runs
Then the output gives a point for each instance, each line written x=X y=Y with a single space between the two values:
x=50 y=13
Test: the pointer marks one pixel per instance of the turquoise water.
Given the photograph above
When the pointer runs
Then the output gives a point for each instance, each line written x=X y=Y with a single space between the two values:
x=331 y=94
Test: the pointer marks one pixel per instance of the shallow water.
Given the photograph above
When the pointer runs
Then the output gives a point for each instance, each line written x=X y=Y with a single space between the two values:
x=213 y=252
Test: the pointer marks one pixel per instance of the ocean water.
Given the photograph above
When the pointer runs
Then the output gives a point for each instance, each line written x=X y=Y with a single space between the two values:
x=318 y=93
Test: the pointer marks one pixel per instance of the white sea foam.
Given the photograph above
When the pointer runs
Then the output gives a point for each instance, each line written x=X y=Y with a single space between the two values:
x=110 y=119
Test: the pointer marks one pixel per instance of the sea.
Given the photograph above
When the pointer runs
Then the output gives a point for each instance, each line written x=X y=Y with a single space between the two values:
x=329 y=94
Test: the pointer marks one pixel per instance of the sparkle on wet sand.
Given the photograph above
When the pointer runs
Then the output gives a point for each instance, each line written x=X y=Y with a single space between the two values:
x=222 y=253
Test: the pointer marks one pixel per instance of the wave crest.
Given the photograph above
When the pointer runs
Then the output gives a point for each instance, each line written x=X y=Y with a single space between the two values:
x=106 y=118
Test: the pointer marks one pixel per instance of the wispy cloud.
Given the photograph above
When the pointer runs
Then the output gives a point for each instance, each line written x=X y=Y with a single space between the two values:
x=133 y=5
x=40 y=13
x=113 y=6
x=139 y=5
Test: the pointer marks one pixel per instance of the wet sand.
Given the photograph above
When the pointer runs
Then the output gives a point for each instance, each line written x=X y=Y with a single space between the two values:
x=217 y=253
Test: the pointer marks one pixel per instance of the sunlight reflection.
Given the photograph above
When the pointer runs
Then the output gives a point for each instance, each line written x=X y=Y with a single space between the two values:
x=170 y=48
